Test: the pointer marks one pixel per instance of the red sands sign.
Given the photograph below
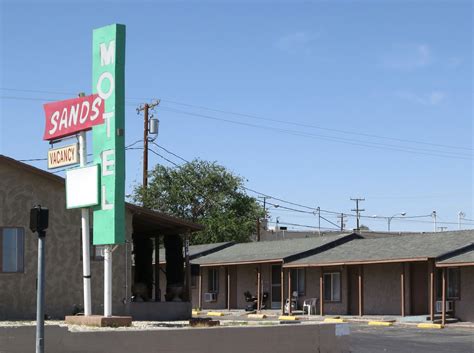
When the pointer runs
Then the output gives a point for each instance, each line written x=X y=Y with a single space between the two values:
x=71 y=116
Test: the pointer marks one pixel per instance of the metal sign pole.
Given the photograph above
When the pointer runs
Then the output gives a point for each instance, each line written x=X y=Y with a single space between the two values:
x=108 y=281
x=40 y=295
x=86 y=259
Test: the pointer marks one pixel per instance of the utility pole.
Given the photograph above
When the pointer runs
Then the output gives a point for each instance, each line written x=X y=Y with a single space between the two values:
x=318 y=209
x=358 y=211
x=258 y=228
x=264 y=204
x=151 y=126
x=264 y=215
x=342 y=216
x=147 y=128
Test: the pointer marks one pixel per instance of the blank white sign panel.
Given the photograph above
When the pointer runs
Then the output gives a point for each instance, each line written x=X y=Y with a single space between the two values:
x=82 y=187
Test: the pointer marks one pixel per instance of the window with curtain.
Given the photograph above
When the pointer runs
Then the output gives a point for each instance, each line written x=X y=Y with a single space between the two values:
x=453 y=283
x=298 y=281
x=12 y=242
x=332 y=286
x=213 y=280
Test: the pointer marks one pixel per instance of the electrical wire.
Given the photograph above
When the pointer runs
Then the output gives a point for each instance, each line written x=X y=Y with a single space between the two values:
x=420 y=151
x=437 y=153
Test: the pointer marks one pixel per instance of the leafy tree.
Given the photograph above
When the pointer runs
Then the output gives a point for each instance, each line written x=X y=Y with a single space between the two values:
x=206 y=193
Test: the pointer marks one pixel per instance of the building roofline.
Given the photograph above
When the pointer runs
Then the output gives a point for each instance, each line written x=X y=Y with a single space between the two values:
x=135 y=209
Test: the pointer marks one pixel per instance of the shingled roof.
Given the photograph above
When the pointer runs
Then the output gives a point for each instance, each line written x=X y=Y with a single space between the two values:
x=196 y=251
x=419 y=247
x=272 y=251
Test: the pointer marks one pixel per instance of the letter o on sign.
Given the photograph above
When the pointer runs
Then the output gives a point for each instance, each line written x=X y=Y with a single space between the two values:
x=108 y=76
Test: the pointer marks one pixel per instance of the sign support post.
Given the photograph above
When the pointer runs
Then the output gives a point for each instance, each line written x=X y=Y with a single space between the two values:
x=86 y=259
x=108 y=281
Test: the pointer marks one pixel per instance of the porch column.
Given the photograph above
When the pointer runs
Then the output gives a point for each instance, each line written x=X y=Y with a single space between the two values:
x=188 y=294
x=361 y=290
x=289 y=291
x=432 y=290
x=402 y=290
x=282 y=290
x=157 y=270
x=443 y=313
x=321 y=292
x=200 y=287
x=228 y=287
x=258 y=288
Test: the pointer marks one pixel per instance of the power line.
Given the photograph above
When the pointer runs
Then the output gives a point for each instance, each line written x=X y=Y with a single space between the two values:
x=305 y=125
x=383 y=146
x=437 y=153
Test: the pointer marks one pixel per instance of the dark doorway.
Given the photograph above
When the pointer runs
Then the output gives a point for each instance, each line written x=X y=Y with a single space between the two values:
x=419 y=288
x=353 y=286
x=143 y=270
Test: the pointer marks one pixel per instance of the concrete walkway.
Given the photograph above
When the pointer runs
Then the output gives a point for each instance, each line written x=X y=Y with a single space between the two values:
x=271 y=315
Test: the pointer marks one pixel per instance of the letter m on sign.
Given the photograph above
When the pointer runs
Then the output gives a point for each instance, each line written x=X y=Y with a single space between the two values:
x=108 y=80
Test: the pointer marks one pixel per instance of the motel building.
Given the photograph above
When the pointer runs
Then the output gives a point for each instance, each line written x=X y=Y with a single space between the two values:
x=407 y=276
x=415 y=276
x=425 y=276
x=23 y=186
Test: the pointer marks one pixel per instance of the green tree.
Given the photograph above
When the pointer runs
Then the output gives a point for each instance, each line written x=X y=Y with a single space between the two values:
x=206 y=193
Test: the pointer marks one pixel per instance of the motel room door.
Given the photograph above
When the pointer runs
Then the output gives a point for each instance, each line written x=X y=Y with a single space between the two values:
x=353 y=290
x=276 y=287
x=419 y=288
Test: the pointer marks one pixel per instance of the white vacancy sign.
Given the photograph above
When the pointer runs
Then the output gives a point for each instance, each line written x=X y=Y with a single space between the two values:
x=82 y=187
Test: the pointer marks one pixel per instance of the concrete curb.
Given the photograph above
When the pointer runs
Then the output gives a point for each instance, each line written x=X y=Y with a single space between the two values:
x=430 y=326
x=334 y=320
x=257 y=316
x=288 y=318
x=380 y=323
x=214 y=313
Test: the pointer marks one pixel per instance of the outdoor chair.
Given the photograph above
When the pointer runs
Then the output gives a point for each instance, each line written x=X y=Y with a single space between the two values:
x=310 y=305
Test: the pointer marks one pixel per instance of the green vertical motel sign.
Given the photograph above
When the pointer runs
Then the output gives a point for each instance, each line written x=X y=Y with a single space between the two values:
x=108 y=80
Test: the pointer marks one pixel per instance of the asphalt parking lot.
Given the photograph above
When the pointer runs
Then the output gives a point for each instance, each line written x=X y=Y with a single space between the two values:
x=402 y=339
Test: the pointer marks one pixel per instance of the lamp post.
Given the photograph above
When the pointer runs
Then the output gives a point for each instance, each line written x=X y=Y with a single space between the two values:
x=389 y=219
x=435 y=227
x=461 y=216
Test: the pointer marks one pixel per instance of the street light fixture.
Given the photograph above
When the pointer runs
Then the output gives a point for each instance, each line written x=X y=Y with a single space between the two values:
x=389 y=219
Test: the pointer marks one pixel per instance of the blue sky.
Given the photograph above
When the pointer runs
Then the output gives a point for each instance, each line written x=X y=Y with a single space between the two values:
x=333 y=100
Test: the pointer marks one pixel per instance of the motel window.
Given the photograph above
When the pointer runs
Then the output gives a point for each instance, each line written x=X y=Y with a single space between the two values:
x=332 y=287
x=194 y=275
x=12 y=248
x=213 y=280
x=298 y=281
x=453 y=283
x=96 y=251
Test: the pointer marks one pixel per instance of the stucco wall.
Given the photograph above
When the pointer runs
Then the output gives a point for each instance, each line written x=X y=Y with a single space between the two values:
x=382 y=289
x=465 y=306
x=19 y=191
x=220 y=303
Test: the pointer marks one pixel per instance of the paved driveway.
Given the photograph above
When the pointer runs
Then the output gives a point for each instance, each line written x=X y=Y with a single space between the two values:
x=400 y=339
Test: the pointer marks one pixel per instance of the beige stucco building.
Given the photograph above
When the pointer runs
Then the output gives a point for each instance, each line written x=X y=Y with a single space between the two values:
x=382 y=274
x=23 y=186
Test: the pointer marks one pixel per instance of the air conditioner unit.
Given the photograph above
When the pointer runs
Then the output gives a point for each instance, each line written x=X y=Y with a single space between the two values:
x=449 y=306
x=210 y=297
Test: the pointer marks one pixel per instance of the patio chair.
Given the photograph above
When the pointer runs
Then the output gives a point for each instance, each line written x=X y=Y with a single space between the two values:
x=310 y=304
